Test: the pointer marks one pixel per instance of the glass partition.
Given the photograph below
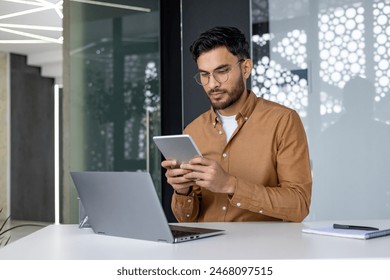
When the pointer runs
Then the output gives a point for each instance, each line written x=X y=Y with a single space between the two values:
x=114 y=86
x=329 y=61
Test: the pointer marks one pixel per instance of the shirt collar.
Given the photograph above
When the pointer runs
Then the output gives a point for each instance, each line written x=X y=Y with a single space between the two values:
x=245 y=111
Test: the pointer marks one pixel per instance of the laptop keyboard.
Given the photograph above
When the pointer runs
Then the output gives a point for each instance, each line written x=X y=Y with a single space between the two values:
x=179 y=233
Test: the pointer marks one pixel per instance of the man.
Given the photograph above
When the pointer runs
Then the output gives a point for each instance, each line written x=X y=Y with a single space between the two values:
x=255 y=164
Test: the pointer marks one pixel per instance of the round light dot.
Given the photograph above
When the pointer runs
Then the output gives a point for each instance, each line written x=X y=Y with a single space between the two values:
x=350 y=13
x=337 y=108
x=289 y=50
x=384 y=81
x=336 y=76
x=260 y=70
x=339 y=12
x=352 y=46
x=339 y=66
x=303 y=82
x=382 y=20
x=338 y=41
x=260 y=79
x=324 y=18
x=325 y=78
x=340 y=29
x=324 y=27
x=281 y=96
x=270 y=73
x=377 y=29
x=300 y=59
x=274 y=89
x=329 y=36
x=285 y=42
x=324 y=54
x=359 y=19
x=332 y=60
x=352 y=58
x=267 y=83
x=350 y=24
x=335 y=51
x=302 y=38
x=356 y=34
x=381 y=39
x=302 y=50
x=383 y=64
x=355 y=68
x=388 y=30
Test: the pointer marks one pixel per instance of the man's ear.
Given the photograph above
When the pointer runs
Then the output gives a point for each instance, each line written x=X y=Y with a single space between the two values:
x=248 y=64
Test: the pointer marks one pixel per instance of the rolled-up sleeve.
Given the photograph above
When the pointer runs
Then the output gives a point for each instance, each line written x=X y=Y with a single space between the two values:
x=185 y=207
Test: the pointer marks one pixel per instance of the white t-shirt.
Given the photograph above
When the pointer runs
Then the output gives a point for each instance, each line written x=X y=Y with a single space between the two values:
x=229 y=125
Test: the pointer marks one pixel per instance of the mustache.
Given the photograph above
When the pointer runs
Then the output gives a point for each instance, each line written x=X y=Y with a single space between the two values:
x=217 y=90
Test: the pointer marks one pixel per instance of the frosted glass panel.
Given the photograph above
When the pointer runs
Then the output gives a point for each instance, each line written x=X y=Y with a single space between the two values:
x=115 y=86
x=329 y=60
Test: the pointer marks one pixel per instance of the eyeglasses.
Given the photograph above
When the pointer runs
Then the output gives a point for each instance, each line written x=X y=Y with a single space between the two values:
x=221 y=75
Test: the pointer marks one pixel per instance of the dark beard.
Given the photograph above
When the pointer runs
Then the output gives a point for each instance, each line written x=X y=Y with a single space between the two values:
x=234 y=95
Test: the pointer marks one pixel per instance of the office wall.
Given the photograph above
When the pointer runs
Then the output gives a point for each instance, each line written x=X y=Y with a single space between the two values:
x=32 y=142
x=4 y=134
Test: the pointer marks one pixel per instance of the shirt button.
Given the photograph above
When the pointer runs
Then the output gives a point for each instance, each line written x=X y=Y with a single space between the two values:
x=189 y=201
x=261 y=211
x=224 y=155
x=220 y=132
x=188 y=215
x=238 y=204
x=246 y=118
x=224 y=208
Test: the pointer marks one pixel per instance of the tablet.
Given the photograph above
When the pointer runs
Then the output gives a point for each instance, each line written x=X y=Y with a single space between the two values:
x=180 y=147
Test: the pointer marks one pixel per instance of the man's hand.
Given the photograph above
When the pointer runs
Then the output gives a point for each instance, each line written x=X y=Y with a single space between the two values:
x=175 y=177
x=208 y=174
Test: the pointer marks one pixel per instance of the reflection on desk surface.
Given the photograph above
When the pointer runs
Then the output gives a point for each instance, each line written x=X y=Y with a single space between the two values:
x=13 y=230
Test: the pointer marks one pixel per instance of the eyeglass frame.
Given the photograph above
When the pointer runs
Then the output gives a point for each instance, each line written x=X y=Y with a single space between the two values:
x=198 y=76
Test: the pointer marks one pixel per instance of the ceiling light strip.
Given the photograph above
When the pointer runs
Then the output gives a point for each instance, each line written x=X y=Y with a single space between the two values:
x=59 y=12
x=29 y=35
x=113 y=5
x=34 y=27
x=25 y=12
x=25 y=2
x=44 y=2
x=22 y=42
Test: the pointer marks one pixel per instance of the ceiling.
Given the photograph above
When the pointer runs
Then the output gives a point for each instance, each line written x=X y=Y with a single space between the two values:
x=34 y=28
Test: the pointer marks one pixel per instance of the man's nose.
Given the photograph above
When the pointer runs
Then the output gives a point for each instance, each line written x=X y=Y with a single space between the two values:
x=213 y=83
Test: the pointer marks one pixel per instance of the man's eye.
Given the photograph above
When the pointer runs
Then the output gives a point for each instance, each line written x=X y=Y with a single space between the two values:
x=222 y=71
x=204 y=75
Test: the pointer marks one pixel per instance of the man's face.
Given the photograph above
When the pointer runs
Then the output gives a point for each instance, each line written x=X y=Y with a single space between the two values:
x=222 y=95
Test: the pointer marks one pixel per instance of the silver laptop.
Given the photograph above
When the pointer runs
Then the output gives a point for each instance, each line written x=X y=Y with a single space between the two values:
x=126 y=204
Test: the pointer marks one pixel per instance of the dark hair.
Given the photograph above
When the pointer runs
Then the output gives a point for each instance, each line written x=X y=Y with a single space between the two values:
x=230 y=37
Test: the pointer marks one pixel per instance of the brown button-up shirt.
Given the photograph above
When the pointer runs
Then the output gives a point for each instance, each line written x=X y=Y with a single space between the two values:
x=269 y=157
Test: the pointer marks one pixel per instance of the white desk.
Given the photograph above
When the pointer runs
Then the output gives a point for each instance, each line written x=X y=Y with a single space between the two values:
x=241 y=241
